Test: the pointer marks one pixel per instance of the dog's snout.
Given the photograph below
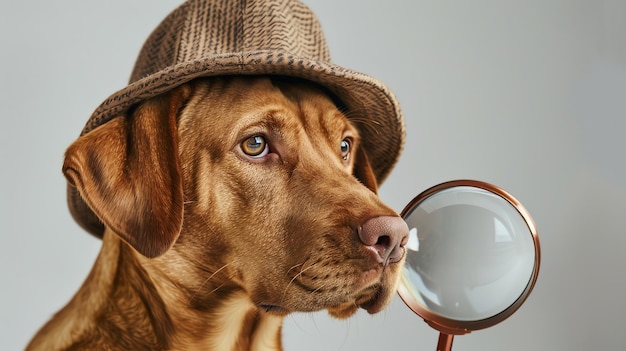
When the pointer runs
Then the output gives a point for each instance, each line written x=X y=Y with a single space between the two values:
x=385 y=236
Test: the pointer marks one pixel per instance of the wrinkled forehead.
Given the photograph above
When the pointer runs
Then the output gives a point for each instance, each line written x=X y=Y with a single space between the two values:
x=228 y=105
x=315 y=107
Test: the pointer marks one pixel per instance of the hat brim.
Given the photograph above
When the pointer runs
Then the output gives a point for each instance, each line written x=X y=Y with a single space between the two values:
x=371 y=105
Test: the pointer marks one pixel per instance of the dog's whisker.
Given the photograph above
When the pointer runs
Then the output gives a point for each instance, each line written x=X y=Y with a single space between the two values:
x=206 y=281
x=303 y=269
x=295 y=266
x=316 y=290
x=208 y=224
x=216 y=289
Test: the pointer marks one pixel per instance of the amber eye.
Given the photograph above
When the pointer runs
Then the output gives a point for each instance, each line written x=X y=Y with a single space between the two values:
x=346 y=147
x=255 y=146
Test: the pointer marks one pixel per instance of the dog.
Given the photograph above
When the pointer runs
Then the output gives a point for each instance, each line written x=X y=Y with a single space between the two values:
x=259 y=200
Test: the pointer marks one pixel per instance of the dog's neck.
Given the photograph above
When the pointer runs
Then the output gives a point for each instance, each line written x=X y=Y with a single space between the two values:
x=146 y=306
x=209 y=313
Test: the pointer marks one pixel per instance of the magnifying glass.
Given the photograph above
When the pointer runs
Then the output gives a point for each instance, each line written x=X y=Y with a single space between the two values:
x=472 y=257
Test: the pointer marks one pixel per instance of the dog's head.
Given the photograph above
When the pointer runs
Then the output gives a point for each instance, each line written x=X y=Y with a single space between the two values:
x=258 y=184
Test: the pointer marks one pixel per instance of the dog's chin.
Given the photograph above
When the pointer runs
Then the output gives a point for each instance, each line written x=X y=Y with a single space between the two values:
x=343 y=311
x=373 y=300
x=372 y=303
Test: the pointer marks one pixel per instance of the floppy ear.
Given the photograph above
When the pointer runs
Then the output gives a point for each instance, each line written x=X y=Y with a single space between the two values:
x=128 y=172
x=363 y=170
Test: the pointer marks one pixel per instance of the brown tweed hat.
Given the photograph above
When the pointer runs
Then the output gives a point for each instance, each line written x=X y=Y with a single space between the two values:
x=204 y=38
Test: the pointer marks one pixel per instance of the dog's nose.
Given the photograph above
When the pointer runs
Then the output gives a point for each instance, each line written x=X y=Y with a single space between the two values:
x=385 y=236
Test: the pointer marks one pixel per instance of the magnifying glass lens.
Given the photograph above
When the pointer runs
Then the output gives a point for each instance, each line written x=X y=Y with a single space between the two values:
x=470 y=254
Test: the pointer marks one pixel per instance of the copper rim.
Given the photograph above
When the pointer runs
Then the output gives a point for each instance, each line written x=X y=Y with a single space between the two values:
x=459 y=327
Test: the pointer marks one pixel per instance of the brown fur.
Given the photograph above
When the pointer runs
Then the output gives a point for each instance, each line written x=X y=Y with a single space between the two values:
x=207 y=248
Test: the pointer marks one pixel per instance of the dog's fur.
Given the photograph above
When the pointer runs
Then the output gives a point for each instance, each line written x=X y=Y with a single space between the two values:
x=207 y=247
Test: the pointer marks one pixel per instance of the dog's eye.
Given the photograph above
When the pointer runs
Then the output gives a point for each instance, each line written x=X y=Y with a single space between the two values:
x=255 y=146
x=346 y=146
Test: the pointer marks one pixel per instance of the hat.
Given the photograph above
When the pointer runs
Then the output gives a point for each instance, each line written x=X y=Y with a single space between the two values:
x=204 y=38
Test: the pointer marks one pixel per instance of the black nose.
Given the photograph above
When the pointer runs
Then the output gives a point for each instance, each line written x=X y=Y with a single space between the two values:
x=385 y=236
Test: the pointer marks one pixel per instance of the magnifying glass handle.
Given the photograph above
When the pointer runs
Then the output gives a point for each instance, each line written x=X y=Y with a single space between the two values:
x=445 y=342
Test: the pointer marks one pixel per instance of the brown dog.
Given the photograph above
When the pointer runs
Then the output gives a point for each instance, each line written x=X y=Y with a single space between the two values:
x=276 y=207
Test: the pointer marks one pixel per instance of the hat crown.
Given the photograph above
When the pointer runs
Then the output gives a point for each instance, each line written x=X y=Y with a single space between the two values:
x=208 y=28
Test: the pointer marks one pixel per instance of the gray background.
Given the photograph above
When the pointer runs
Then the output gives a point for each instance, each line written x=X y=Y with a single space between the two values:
x=528 y=95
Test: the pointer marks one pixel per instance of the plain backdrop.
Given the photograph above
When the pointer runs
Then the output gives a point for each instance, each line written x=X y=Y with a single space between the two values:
x=527 y=95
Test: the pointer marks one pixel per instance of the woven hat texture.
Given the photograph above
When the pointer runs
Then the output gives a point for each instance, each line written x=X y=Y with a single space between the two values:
x=204 y=38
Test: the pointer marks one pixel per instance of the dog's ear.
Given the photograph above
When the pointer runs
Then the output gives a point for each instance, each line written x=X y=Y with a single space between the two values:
x=128 y=172
x=363 y=170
